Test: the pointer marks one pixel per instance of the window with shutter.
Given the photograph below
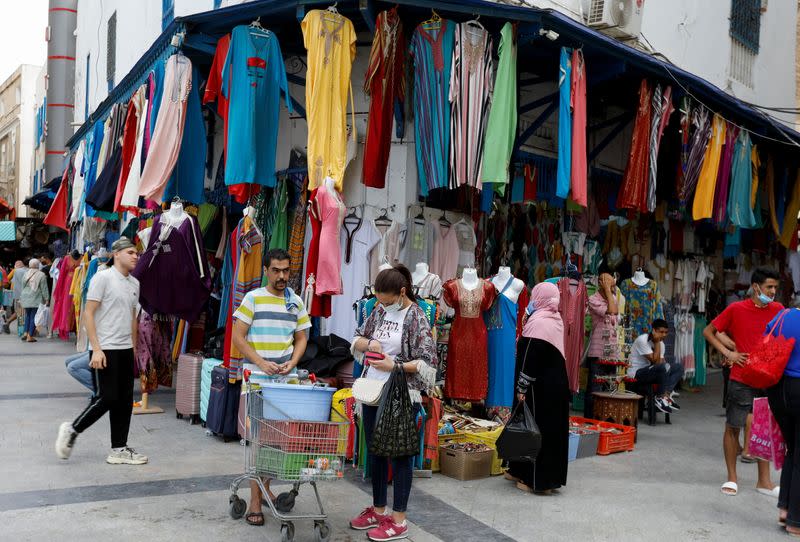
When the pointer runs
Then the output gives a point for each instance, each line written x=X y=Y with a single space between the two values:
x=745 y=23
x=111 y=50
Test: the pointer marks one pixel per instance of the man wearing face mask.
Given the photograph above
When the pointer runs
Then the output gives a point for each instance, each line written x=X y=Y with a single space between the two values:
x=744 y=323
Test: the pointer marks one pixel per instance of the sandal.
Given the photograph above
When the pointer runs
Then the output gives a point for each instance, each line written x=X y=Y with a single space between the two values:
x=523 y=487
x=730 y=489
x=255 y=519
x=510 y=478
x=748 y=458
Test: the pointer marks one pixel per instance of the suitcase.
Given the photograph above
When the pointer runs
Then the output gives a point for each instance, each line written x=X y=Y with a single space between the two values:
x=205 y=385
x=223 y=405
x=187 y=388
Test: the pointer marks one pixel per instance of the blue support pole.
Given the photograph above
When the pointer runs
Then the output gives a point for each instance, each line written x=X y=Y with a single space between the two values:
x=541 y=119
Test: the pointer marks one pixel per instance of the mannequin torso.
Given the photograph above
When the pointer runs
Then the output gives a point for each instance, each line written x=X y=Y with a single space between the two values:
x=469 y=279
x=420 y=272
x=501 y=279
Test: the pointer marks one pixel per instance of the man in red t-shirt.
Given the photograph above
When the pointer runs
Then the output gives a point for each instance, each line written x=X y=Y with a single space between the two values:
x=744 y=322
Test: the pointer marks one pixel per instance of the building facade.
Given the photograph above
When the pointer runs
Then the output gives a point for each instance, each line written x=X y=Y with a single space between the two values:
x=17 y=113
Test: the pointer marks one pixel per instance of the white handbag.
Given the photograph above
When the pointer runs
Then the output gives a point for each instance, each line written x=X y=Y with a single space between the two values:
x=367 y=391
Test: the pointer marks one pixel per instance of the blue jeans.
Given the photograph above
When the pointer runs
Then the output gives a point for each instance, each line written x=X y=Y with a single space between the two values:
x=665 y=375
x=78 y=368
x=30 y=321
x=402 y=468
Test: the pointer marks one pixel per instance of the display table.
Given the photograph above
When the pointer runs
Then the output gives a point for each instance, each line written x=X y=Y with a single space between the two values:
x=620 y=407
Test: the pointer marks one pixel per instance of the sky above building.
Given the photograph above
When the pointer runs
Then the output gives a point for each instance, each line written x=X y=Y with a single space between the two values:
x=22 y=32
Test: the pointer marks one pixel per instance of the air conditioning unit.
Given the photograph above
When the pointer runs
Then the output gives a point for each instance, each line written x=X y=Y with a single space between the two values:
x=617 y=18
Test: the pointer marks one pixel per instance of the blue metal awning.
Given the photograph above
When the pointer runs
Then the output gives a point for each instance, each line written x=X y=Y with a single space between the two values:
x=277 y=13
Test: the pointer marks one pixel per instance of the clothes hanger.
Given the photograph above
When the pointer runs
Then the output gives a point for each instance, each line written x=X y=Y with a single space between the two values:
x=475 y=23
x=257 y=24
x=443 y=220
x=434 y=22
x=332 y=8
x=383 y=219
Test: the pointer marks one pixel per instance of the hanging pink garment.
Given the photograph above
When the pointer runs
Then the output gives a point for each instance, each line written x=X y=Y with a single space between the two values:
x=573 y=307
x=329 y=265
x=63 y=314
x=578 y=180
x=166 y=142
x=724 y=176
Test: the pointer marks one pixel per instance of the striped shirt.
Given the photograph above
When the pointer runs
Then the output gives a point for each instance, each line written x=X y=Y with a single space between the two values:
x=273 y=321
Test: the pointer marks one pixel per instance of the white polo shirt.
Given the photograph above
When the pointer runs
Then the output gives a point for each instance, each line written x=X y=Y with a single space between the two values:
x=118 y=296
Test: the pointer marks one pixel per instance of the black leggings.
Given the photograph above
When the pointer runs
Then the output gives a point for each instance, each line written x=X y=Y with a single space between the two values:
x=113 y=393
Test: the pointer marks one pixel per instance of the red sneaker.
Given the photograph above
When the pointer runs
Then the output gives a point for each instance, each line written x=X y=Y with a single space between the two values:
x=388 y=530
x=368 y=519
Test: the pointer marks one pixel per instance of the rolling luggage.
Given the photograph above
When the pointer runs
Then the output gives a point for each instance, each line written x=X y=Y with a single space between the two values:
x=223 y=405
x=187 y=388
x=205 y=385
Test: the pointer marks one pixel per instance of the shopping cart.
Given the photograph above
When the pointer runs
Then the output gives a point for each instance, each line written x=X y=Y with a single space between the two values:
x=291 y=451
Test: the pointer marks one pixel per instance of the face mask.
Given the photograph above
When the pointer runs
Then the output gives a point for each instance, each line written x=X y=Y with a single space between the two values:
x=394 y=307
x=764 y=298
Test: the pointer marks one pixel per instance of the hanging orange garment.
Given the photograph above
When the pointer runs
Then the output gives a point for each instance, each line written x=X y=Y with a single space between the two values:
x=773 y=218
x=754 y=158
x=789 y=232
x=703 y=206
x=633 y=192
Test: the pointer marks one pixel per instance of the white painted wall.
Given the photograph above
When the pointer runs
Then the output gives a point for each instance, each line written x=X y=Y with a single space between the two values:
x=38 y=155
x=27 y=121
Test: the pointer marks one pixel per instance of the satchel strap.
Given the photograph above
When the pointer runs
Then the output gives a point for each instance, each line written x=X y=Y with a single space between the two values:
x=779 y=320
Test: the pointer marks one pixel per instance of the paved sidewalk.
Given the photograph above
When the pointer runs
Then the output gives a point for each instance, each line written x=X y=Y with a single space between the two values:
x=668 y=489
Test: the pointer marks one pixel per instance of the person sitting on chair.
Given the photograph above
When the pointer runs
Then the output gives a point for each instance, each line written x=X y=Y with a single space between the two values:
x=647 y=366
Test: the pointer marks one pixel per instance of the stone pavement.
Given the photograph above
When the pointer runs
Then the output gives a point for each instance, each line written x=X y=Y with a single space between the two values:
x=668 y=489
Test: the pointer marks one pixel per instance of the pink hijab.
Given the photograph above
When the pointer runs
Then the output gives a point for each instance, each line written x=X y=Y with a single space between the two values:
x=545 y=322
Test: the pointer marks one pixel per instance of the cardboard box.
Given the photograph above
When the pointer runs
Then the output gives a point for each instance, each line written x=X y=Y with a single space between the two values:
x=463 y=465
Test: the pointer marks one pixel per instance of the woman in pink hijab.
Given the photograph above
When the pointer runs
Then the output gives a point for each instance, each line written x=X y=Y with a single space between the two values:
x=542 y=382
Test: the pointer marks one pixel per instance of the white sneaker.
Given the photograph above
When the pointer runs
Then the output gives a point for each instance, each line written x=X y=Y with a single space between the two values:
x=65 y=440
x=674 y=394
x=126 y=456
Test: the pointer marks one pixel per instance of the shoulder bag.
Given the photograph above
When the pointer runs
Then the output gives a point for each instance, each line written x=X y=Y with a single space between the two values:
x=765 y=365
x=366 y=390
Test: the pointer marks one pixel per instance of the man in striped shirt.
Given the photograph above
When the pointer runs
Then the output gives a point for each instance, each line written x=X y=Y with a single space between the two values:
x=269 y=330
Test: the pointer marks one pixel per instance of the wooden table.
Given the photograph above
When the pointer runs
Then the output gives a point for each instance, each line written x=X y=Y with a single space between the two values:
x=620 y=407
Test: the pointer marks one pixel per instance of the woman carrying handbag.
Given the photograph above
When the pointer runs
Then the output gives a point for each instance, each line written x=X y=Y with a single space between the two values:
x=542 y=378
x=396 y=336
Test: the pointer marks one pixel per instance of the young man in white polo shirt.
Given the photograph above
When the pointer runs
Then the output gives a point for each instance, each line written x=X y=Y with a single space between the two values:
x=111 y=325
x=270 y=331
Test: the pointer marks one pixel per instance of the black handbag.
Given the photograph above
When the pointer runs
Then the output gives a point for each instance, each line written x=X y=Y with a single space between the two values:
x=521 y=439
x=395 y=433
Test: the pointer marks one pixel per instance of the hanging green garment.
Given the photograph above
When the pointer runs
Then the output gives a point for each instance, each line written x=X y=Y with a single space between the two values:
x=279 y=237
x=700 y=357
x=501 y=130
x=740 y=210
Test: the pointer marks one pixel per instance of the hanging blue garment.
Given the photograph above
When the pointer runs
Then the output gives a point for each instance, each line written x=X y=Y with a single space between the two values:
x=158 y=81
x=487 y=197
x=189 y=176
x=432 y=52
x=227 y=281
x=518 y=186
x=501 y=323
x=93 y=155
x=733 y=244
x=739 y=210
x=257 y=76
x=564 y=124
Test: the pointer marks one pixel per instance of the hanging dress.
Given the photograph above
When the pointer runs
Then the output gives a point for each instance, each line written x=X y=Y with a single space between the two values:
x=634 y=189
x=467 y=352
x=133 y=127
x=165 y=144
x=128 y=199
x=318 y=305
x=444 y=261
x=188 y=177
x=330 y=41
x=724 y=176
x=564 y=124
x=578 y=169
x=329 y=266
x=253 y=78
x=501 y=129
x=385 y=85
x=501 y=325
x=470 y=96
x=432 y=52
x=703 y=205
x=573 y=308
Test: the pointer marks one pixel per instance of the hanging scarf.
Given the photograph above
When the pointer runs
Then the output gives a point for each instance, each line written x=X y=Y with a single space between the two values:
x=545 y=322
x=697 y=149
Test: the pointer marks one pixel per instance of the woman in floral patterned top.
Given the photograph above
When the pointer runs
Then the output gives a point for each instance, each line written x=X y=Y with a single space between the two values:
x=398 y=329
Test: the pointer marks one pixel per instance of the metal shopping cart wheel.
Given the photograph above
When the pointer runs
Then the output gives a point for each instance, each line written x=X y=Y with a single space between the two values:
x=322 y=531
x=237 y=507
x=287 y=532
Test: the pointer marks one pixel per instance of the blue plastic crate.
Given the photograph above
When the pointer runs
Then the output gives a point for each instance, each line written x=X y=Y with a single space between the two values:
x=574 y=438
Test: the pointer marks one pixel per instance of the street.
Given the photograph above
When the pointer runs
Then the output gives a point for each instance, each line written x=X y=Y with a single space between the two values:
x=668 y=487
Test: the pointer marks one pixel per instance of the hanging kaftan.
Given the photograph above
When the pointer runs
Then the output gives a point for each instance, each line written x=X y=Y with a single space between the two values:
x=189 y=175
x=501 y=129
x=385 y=85
x=703 y=205
x=501 y=324
x=432 y=53
x=470 y=96
x=634 y=189
x=330 y=41
x=578 y=173
x=740 y=209
x=168 y=134
x=252 y=80
x=573 y=307
x=724 y=176
x=564 y=124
